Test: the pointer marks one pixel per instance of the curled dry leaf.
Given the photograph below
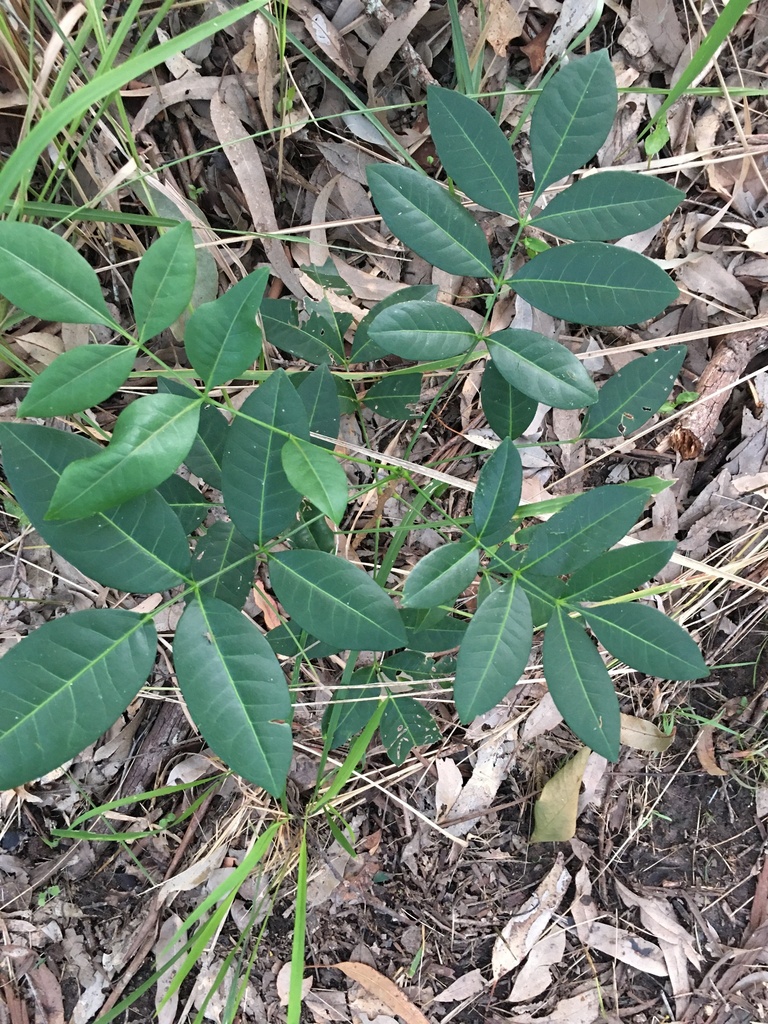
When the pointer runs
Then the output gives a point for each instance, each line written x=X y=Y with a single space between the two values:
x=705 y=751
x=384 y=989
x=448 y=788
x=521 y=933
x=503 y=24
x=478 y=794
x=643 y=735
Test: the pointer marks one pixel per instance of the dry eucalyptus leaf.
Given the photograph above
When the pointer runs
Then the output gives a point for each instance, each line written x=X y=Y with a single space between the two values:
x=535 y=976
x=393 y=38
x=384 y=989
x=584 y=1008
x=466 y=987
x=488 y=773
x=615 y=942
x=521 y=933
x=557 y=807
x=703 y=275
x=283 y=982
x=574 y=15
x=245 y=159
x=327 y=37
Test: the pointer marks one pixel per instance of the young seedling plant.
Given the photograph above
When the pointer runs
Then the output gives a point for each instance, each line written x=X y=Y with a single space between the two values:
x=118 y=510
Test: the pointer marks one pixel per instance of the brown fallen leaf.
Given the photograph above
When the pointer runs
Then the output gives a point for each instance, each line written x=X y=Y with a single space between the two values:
x=557 y=807
x=245 y=160
x=643 y=735
x=384 y=989
x=535 y=976
x=618 y=943
x=521 y=933
x=395 y=36
x=705 y=751
x=327 y=37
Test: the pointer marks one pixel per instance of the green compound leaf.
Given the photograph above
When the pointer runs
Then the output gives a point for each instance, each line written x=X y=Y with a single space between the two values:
x=618 y=572
x=351 y=707
x=164 y=280
x=473 y=149
x=420 y=212
x=316 y=474
x=257 y=493
x=542 y=369
x=78 y=379
x=422 y=330
x=441 y=576
x=595 y=283
x=498 y=493
x=572 y=118
x=580 y=685
x=222 y=337
x=630 y=397
x=543 y=594
x=235 y=691
x=509 y=412
x=150 y=440
x=587 y=526
x=139 y=547
x=645 y=639
x=363 y=349
x=46 y=277
x=223 y=564
x=335 y=601
x=312 y=531
x=608 y=205
x=186 y=502
x=432 y=630
x=320 y=396
x=65 y=684
x=205 y=456
x=282 y=329
x=395 y=395
x=494 y=652
x=406 y=724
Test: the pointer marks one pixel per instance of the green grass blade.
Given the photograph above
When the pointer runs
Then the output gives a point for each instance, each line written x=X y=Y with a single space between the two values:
x=23 y=159
x=727 y=20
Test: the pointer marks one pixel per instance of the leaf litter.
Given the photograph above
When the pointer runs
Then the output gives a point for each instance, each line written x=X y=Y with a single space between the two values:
x=638 y=828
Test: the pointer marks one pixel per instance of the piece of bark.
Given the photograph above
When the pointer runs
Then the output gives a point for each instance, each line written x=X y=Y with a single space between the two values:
x=694 y=433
